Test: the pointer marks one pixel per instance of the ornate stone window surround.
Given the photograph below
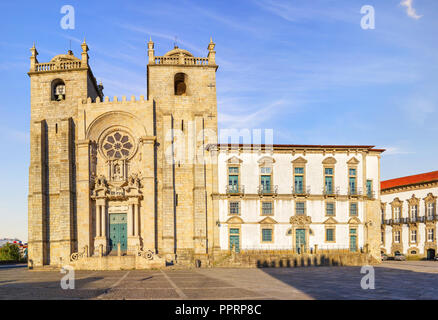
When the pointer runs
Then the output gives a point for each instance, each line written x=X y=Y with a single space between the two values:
x=267 y=162
x=396 y=209
x=327 y=203
x=329 y=163
x=234 y=162
x=430 y=205
x=299 y=162
x=353 y=163
x=330 y=227
x=413 y=205
x=261 y=208
x=267 y=227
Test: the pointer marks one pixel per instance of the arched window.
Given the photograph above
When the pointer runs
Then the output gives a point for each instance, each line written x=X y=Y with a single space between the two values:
x=180 y=84
x=58 y=90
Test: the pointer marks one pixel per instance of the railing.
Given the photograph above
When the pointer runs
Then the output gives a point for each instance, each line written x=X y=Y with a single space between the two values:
x=301 y=191
x=267 y=190
x=354 y=192
x=182 y=60
x=58 y=66
x=331 y=191
x=370 y=195
x=231 y=189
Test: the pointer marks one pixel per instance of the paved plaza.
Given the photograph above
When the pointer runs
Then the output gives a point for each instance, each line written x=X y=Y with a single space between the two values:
x=393 y=280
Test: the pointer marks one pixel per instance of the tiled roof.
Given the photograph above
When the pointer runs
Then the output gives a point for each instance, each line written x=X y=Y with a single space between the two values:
x=409 y=180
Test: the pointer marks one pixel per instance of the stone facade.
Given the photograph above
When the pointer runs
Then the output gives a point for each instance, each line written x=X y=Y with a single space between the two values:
x=409 y=217
x=271 y=196
x=95 y=161
x=112 y=181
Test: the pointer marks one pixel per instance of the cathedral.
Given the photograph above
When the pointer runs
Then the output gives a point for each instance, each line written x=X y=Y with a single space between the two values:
x=125 y=178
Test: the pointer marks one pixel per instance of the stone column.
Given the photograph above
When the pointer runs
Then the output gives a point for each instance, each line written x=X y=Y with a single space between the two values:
x=136 y=220
x=103 y=221
x=98 y=220
x=101 y=239
x=133 y=237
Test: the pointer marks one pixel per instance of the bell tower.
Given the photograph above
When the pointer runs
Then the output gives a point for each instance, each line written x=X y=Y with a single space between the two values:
x=56 y=87
x=183 y=88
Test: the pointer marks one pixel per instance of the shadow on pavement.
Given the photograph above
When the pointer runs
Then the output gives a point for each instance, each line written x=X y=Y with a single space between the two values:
x=345 y=283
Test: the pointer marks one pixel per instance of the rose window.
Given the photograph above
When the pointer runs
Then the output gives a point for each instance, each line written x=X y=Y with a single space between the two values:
x=118 y=145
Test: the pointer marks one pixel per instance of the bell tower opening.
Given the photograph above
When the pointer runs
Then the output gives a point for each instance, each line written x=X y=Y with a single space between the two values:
x=180 y=84
x=58 y=90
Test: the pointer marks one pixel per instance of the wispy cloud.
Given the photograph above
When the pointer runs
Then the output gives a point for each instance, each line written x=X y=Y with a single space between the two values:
x=391 y=151
x=410 y=10
x=252 y=119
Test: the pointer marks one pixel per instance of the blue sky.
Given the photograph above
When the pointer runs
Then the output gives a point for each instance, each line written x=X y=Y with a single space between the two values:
x=304 y=68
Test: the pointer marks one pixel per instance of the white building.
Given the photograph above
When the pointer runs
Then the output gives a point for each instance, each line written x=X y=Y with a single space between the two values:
x=409 y=220
x=299 y=197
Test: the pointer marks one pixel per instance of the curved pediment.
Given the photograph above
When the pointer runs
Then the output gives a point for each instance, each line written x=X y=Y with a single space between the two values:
x=299 y=160
x=329 y=160
x=354 y=220
x=353 y=161
x=234 y=160
x=330 y=220
x=235 y=220
x=266 y=160
x=268 y=220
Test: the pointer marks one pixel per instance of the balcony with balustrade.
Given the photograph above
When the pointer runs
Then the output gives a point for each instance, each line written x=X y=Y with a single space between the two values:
x=235 y=190
x=267 y=190
x=301 y=191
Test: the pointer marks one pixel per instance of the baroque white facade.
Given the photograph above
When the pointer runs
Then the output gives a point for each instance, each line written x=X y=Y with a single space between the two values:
x=409 y=220
x=300 y=198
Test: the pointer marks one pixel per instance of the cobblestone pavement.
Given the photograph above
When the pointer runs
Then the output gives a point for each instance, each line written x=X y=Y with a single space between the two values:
x=393 y=280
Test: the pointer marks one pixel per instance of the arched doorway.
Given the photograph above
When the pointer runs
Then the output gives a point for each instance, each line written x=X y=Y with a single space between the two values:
x=430 y=254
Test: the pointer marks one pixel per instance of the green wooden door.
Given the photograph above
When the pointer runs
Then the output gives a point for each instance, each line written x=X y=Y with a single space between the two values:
x=266 y=184
x=118 y=231
x=300 y=238
x=235 y=239
x=353 y=240
x=233 y=182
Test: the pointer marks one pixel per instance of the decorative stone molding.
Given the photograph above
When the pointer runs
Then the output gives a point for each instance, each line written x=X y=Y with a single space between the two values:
x=413 y=201
x=299 y=160
x=266 y=161
x=79 y=255
x=329 y=160
x=331 y=220
x=354 y=220
x=353 y=161
x=300 y=220
x=234 y=160
x=268 y=220
x=235 y=220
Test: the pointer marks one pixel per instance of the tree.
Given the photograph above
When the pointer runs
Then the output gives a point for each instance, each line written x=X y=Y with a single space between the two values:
x=10 y=252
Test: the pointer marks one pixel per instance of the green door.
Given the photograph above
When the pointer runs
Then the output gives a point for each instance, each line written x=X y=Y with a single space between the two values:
x=353 y=240
x=300 y=239
x=118 y=231
x=233 y=182
x=266 y=184
x=234 y=239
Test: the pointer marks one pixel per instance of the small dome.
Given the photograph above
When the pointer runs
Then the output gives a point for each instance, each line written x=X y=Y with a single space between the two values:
x=176 y=52
x=65 y=57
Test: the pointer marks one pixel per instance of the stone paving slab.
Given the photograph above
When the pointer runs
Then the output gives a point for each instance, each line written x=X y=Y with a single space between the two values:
x=393 y=280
